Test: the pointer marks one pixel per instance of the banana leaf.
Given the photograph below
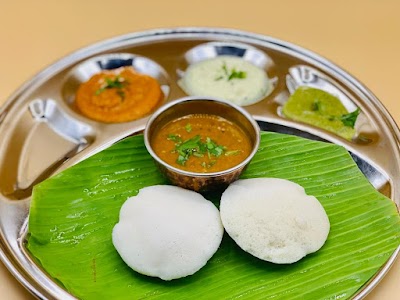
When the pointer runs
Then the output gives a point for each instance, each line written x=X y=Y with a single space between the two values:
x=73 y=213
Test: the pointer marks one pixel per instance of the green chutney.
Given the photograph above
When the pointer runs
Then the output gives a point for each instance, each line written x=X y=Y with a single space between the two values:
x=318 y=108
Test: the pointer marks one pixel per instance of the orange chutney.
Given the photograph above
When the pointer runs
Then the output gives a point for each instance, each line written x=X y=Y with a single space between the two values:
x=118 y=95
x=201 y=143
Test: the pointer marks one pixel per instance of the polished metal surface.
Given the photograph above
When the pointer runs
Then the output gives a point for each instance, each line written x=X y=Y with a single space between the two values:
x=41 y=133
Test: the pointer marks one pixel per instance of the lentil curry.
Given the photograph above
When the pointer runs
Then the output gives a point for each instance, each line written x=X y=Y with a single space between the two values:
x=201 y=143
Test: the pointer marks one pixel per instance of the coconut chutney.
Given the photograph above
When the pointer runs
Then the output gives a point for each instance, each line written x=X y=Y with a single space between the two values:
x=227 y=77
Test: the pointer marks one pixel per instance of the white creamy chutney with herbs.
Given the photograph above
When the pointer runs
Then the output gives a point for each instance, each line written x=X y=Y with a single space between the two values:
x=227 y=77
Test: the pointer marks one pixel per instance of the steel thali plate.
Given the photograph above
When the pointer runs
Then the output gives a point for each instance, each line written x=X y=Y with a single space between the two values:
x=42 y=133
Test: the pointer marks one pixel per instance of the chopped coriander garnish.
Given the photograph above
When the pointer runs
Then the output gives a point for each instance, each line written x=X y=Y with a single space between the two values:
x=208 y=165
x=225 y=69
x=121 y=94
x=230 y=74
x=188 y=127
x=181 y=160
x=236 y=74
x=174 y=137
x=213 y=148
x=331 y=118
x=196 y=147
x=197 y=154
x=232 y=152
x=316 y=106
x=117 y=83
x=350 y=118
x=189 y=145
x=186 y=149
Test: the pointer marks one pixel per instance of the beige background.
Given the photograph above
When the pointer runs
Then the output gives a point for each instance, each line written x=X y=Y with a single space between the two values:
x=363 y=37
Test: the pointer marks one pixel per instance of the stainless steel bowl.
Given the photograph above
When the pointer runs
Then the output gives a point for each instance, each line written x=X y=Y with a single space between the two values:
x=202 y=182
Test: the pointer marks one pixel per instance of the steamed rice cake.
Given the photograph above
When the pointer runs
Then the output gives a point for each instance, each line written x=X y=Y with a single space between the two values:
x=273 y=219
x=167 y=232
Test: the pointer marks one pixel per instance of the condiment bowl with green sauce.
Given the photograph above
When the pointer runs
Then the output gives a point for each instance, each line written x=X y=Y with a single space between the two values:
x=200 y=143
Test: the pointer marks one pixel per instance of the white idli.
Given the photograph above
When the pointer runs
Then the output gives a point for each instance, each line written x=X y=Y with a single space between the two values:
x=274 y=219
x=227 y=77
x=167 y=232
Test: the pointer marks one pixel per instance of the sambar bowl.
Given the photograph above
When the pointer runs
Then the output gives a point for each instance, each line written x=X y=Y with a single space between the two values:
x=183 y=107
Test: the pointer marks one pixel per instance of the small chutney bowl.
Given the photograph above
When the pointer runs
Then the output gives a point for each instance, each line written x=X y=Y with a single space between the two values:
x=208 y=181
